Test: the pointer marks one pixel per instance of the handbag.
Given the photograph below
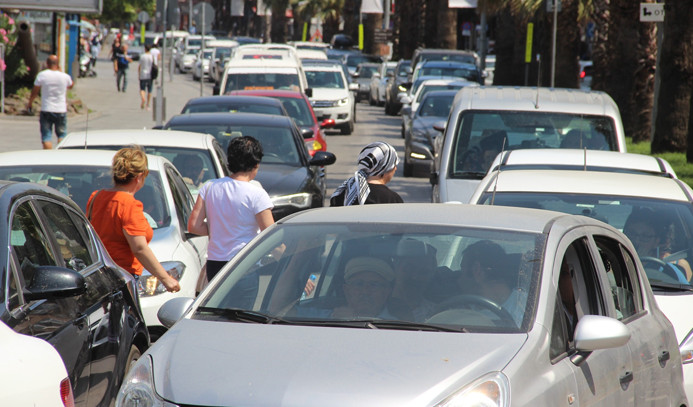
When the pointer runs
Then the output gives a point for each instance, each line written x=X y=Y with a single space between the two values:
x=155 y=71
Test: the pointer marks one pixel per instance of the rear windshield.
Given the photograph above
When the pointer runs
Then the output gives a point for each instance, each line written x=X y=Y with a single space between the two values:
x=481 y=135
x=262 y=81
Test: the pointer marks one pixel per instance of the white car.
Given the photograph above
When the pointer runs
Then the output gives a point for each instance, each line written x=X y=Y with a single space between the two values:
x=379 y=80
x=333 y=95
x=176 y=146
x=185 y=60
x=201 y=66
x=653 y=209
x=33 y=373
x=167 y=204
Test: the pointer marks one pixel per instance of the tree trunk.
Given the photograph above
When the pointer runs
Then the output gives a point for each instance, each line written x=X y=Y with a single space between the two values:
x=446 y=25
x=602 y=49
x=673 y=122
x=279 y=21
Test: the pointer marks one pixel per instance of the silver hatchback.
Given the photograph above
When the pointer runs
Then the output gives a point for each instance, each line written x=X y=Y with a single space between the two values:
x=419 y=305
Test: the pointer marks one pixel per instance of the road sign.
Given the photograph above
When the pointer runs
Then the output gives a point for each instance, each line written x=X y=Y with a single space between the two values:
x=549 y=5
x=652 y=12
x=466 y=29
x=382 y=36
x=143 y=17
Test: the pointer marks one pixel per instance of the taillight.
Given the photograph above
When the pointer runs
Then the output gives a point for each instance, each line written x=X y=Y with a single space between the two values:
x=66 y=393
x=582 y=74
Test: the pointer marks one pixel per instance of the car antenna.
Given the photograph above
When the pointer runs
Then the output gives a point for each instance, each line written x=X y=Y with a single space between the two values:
x=495 y=182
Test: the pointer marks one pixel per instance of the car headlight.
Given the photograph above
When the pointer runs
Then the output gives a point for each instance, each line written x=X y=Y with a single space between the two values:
x=302 y=200
x=402 y=88
x=342 y=102
x=148 y=285
x=138 y=388
x=686 y=349
x=491 y=390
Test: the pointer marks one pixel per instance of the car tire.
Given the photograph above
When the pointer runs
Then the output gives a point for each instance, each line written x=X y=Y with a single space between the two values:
x=347 y=128
x=133 y=357
x=388 y=109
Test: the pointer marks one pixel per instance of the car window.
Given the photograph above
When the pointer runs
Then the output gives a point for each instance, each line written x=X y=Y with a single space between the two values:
x=232 y=108
x=325 y=79
x=481 y=135
x=182 y=198
x=622 y=276
x=262 y=81
x=221 y=156
x=153 y=198
x=29 y=242
x=436 y=106
x=298 y=110
x=403 y=69
x=74 y=250
x=483 y=281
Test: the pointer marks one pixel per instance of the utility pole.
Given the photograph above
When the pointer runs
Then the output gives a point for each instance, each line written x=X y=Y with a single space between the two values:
x=159 y=101
x=553 y=45
x=202 y=50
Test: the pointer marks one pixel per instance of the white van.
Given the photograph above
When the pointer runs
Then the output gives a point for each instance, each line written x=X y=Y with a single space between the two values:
x=253 y=69
x=486 y=120
x=220 y=55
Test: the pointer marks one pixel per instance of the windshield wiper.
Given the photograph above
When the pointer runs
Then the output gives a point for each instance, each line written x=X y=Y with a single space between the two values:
x=382 y=324
x=242 y=315
x=469 y=174
x=670 y=286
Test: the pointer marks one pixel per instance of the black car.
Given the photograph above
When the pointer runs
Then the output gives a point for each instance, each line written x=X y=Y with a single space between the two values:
x=433 y=110
x=293 y=179
x=59 y=284
x=235 y=104
x=393 y=87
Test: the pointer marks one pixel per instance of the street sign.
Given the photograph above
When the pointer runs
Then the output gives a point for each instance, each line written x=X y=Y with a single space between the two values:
x=209 y=16
x=466 y=29
x=549 y=5
x=143 y=17
x=382 y=36
x=652 y=12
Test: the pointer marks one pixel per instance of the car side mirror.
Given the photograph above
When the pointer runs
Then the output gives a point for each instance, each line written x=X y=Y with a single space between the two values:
x=439 y=127
x=390 y=74
x=376 y=75
x=328 y=124
x=354 y=86
x=323 y=158
x=355 y=75
x=309 y=92
x=307 y=133
x=159 y=127
x=596 y=332
x=173 y=310
x=50 y=282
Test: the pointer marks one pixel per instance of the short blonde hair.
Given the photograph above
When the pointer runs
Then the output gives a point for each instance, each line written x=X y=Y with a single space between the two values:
x=128 y=163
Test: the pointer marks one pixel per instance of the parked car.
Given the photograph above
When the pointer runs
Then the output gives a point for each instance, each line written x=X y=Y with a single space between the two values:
x=299 y=108
x=234 y=104
x=185 y=59
x=294 y=180
x=220 y=55
x=486 y=120
x=33 y=372
x=208 y=159
x=433 y=305
x=167 y=204
x=362 y=76
x=333 y=96
x=61 y=286
x=653 y=209
x=378 y=82
x=201 y=65
x=433 y=110
x=395 y=87
x=353 y=59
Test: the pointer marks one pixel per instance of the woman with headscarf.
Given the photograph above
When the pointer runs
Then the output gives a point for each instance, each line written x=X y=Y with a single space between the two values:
x=377 y=163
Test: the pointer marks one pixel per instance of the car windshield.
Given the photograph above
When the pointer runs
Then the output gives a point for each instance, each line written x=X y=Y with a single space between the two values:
x=428 y=88
x=79 y=181
x=467 y=59
x=261 y=81
x=436 y=106
x=470 y=74
x=481 y=135
x=207 y=54
x=354 y=60
x=367 y=71
x=387 y=276
x=661 y=230
x=232 y=107
x=403 y=69
x=277 y=142
x=298 y=110
x=223 y=52
x=325 y=79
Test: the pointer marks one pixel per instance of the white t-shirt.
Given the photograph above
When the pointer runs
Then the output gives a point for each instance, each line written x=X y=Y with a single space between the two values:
x=155 y=54
x=146 y=61
x=231 y=207
x=54 y=86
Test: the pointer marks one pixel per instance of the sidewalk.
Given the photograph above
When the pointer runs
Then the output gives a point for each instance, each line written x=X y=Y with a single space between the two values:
x=108 y=109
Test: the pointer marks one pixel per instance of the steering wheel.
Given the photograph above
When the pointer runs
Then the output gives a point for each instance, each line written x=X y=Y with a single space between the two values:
x=470 y=301
x=654 y=263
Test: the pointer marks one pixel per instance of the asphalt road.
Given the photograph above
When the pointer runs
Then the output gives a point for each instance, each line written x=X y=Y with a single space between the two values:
x=109 y=109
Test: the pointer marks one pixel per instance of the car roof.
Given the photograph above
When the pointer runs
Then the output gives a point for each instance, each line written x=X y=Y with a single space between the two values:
x=591 y=160
x=233 y=98
x=145 y=137
x=442 y=92
x=436 y=63
x=454 y=214
x=238 y=119
x=612 y=184
x=69 y=157
x=269 y=93
x=541 y=99
x=323 y=68
x=221 y=43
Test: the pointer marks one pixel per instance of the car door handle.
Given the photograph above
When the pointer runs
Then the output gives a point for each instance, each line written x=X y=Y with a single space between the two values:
x=663 y=358
x=626 y=379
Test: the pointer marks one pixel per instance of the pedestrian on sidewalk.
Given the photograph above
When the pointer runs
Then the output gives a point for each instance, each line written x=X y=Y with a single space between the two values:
x=377 y=163
x=144 y=72
x=121 y=65
x=53 y=85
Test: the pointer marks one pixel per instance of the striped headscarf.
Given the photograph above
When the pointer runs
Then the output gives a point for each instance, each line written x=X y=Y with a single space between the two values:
x=375 y=159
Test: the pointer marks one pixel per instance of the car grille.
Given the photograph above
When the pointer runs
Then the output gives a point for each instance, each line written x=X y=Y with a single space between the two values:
x=323 y=103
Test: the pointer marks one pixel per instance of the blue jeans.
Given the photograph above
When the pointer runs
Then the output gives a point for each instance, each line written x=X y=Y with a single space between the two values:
x=122 y=74
x=49 y=120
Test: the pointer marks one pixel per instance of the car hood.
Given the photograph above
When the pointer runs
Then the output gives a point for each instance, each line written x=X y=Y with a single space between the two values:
x=424 y=124
x=329 y=94
x=459 y=190
x=165 y=242
x=226 y=363
x=279 y=179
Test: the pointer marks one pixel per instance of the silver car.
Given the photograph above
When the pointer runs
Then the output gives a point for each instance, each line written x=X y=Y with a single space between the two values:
x=419 y=305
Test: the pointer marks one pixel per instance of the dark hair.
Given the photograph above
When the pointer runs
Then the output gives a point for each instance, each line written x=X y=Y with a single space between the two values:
x=243 y=154
x=147 y=47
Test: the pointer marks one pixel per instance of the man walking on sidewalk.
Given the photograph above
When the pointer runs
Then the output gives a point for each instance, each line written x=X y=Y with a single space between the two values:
x=121 y=65
x=53 y=85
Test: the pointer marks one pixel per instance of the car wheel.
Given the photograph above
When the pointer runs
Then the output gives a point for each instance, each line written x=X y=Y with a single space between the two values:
x=388 y=109
x=133 y=357
x=402 y=131
x=347 y=128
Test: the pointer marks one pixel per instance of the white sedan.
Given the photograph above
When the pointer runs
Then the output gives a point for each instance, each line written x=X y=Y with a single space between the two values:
x=167 y=204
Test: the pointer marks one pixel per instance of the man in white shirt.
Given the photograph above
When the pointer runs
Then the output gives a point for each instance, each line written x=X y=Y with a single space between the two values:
x=53 y=85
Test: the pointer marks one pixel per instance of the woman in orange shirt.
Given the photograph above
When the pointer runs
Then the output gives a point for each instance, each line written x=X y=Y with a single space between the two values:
x=118 y=218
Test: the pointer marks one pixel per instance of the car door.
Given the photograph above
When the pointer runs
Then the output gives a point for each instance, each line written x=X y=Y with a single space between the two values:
x=103 y=303
x=605 y=376
x=652 y=356
x=183 y=202
x=63 y=322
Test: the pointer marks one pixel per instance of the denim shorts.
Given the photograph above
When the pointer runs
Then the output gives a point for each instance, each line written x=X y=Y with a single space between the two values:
x=48 y=120
x=146 y=84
